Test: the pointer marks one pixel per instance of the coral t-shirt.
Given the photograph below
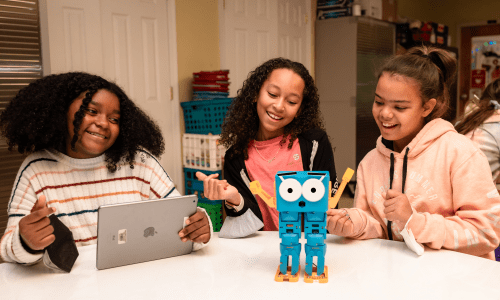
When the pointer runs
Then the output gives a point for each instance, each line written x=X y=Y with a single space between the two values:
x=265 y=159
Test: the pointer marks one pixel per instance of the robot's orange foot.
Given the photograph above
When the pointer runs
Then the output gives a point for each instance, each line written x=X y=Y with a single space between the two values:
x=280 y=277
x=323 y=278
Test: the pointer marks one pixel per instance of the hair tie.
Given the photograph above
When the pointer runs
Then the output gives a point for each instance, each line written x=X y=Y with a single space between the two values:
x=495 y=104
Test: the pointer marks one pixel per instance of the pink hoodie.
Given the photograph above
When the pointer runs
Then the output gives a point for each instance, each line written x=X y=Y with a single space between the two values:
x=448 y=182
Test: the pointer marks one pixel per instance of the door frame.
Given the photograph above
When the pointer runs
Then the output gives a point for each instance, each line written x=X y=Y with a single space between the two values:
x=177 y=172
x=464 y=56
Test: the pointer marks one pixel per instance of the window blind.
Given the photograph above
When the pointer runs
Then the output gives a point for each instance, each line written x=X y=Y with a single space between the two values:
x=20 y=64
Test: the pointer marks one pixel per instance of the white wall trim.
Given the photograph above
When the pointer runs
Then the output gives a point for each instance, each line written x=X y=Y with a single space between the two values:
x=175 y=104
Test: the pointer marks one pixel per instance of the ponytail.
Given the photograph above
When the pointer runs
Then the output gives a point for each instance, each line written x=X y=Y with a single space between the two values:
x=433 y=69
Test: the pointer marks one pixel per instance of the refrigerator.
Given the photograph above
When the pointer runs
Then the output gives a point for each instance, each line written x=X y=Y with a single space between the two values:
x=349 y=52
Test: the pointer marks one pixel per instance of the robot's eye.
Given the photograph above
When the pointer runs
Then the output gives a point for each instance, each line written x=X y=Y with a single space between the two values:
x=290 y=190
x=313 y=190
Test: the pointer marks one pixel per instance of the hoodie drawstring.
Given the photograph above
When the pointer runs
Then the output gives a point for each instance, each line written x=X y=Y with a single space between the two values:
x=391 y=177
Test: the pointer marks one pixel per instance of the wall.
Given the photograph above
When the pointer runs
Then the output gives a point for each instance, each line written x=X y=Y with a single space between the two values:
x=197 y=24
x=452 y=13
x=198 y=40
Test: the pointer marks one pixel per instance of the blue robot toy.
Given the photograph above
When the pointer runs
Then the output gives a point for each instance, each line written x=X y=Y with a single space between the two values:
x=306 y=195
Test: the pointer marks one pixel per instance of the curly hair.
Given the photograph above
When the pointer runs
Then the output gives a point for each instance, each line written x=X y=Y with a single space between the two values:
x=241 y=123
x=36 y=118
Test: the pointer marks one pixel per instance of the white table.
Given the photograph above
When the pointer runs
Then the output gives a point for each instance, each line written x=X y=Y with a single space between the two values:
x=245 y=268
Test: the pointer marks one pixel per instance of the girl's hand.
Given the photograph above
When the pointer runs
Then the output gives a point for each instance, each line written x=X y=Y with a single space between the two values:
x=339 y=223
x=35 y=228
x=397 y=208
x=215 y=189
x=197 y=229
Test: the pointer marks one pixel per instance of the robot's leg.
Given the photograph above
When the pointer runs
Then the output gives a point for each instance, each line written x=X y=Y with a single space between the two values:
x=287 y=251
x=283 y=260
x=319 y=251
x=309 y=260
x=315 y=233
x=290 y=246
x=320 y=268
x=295 y=260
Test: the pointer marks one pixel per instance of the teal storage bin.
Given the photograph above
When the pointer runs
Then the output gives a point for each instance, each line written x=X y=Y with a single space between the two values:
x=205 y=116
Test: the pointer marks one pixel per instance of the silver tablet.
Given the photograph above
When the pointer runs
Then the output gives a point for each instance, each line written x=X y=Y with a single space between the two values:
x=134 y=232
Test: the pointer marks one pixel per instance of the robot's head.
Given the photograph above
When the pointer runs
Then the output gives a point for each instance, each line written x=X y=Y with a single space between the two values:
x=302 y=191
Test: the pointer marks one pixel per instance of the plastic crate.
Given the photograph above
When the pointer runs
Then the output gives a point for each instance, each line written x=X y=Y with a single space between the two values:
x=203 y=152
x=215 y=213
x=194 y=186
x=205 y=116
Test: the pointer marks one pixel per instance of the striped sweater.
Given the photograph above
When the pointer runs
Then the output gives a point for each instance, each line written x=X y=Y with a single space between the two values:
x=76 y=188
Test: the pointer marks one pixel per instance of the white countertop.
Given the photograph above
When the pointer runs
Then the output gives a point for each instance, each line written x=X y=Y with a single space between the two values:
x=245 y=268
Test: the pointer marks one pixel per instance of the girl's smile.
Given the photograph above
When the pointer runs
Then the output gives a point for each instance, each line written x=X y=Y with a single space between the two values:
x=274 y=117
x=278 y=103
x=97 y=134
x=387 y=125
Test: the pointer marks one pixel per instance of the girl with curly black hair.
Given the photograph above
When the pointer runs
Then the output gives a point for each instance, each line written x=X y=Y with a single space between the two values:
x=88 y=145
x=273 y=124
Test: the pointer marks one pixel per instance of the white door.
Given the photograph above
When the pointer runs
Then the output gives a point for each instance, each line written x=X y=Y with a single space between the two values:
x=294 y=31
x=74 y=36
x=136 y=56
x=248 y=37
x=253 y=31
x=131 y=43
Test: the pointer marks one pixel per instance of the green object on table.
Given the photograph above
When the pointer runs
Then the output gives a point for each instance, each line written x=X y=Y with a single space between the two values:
x=215 y=213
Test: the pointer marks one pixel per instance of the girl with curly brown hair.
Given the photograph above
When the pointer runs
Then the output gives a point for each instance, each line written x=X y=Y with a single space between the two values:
x=88 y=145
x=273 y=124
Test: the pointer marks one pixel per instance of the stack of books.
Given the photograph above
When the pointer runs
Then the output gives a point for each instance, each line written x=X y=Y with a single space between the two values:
x=210 y=85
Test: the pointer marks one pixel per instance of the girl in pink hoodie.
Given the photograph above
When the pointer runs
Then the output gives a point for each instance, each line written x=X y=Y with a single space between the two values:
x=424 y=183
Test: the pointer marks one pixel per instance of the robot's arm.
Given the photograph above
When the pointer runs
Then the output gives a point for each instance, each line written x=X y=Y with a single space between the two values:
x=256 y=189
x=332 y=201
